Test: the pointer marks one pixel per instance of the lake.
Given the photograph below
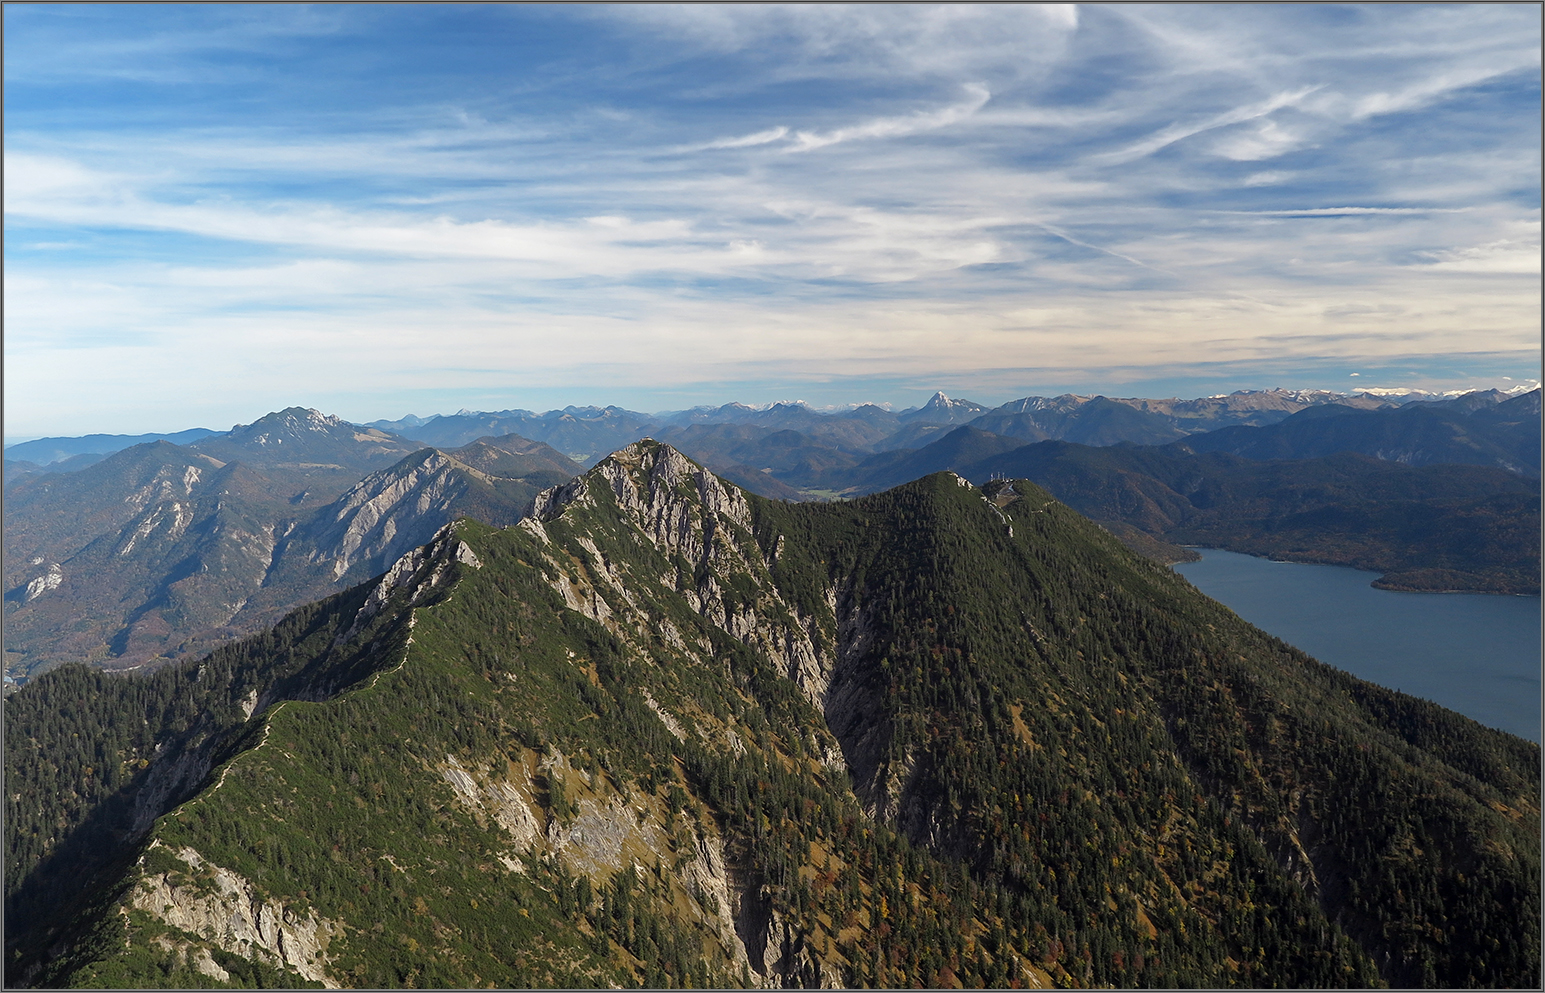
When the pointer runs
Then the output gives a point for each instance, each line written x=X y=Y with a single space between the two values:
x=1470 y=652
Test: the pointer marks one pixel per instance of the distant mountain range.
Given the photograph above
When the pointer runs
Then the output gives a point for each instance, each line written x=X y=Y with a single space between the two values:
x=588 y=433
x=1478 y=429
x=159 y=550
x=47 y=451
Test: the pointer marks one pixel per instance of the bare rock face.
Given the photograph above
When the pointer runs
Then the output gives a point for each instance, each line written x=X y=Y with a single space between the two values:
x=604 y=837
x=224 y=909
x=684 y=510
x=410 y=573
x=708 y=877
x=551 y=501
x=50 y=580
x=383 y=514
x=508 y=803
x=788 y=959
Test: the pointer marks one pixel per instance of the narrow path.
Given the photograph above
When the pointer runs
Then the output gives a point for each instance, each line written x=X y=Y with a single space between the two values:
x=406 y=649
x=268 y=728
x=268 y=723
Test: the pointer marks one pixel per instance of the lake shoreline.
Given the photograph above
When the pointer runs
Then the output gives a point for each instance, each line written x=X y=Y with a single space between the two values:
x=1378 y=583
x=1476 y=654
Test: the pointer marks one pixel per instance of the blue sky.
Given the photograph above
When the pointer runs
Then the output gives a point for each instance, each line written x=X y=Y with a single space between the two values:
x=216 y=211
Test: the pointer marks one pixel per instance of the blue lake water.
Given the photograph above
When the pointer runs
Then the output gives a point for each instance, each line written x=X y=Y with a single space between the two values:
x=1470 y=652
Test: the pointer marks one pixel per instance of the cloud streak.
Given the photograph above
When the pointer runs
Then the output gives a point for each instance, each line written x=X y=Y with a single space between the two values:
x=897 y=127
x=1173 y=133
x=783 y=195
x=750 y=140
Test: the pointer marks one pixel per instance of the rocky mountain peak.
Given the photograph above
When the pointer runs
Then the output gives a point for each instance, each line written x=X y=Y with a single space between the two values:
x=943 y=410
x=291 y=421
x=661 y=489
x=306 y=440
x=293 y=426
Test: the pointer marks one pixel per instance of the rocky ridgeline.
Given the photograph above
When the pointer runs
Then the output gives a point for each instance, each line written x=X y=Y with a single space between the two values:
x=386 y=513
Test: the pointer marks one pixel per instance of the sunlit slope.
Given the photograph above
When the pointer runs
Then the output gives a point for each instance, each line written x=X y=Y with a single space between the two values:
x=666 y=733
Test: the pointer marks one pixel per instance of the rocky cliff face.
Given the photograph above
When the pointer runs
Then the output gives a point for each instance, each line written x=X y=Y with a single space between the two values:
x=386 y=514
x=224 y=909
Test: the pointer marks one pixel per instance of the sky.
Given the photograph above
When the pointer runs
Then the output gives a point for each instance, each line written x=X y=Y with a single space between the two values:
x=215 y=211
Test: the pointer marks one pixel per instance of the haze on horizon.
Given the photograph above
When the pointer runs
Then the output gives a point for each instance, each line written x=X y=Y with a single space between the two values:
x=214 y=211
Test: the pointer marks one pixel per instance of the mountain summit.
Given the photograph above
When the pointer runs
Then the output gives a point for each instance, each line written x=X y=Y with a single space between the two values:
x=940 y=409
x=664 y=732
x=299 y=438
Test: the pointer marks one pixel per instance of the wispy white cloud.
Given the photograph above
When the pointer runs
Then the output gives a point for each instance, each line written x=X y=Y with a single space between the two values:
x=1518 y=254
x=898 y=127
x=1173 y=133
x=1268 y=178
x=750 y=140
x=1422 y=92
x=858 y=41
x=797 y=192
x=831 y=239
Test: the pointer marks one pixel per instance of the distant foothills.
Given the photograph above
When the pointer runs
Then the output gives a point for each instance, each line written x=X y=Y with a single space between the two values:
x=129 y=551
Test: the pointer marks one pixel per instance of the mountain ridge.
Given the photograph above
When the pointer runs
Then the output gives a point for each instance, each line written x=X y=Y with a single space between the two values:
x=943 y=733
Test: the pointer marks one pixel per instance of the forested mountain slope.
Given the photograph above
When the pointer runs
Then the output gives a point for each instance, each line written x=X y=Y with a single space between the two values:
x=1428 y=527
x=1478 y=429
x=662 y=732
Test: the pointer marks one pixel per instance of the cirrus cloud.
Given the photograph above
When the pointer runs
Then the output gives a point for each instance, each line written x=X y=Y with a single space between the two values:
x=766 y=195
